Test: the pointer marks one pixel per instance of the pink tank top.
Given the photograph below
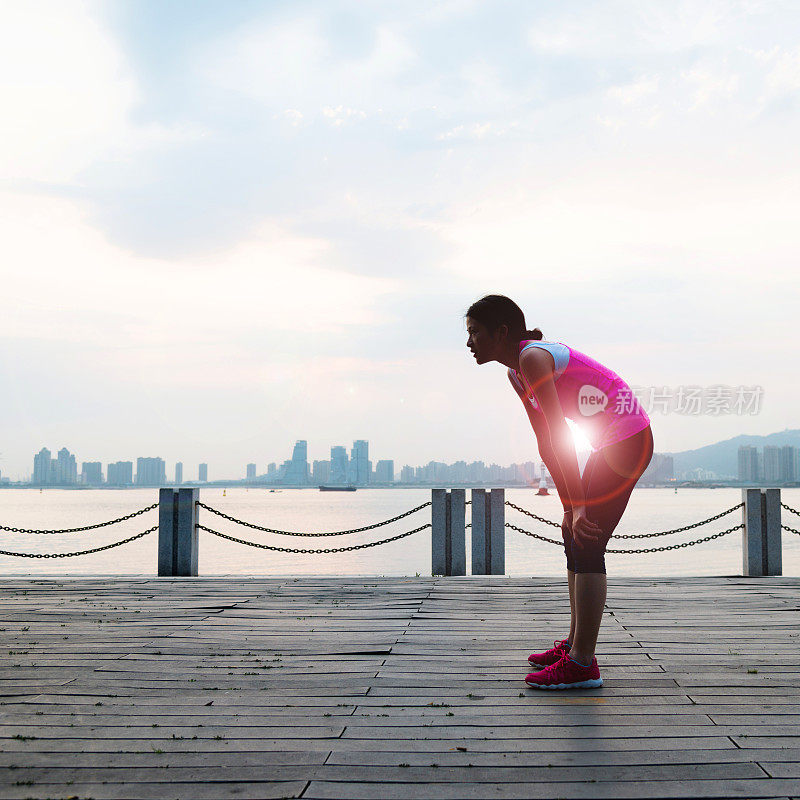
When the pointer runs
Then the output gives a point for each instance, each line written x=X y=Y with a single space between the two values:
x=591 y=395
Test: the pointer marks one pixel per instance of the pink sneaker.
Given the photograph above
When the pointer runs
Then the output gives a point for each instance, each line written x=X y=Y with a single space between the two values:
x=551 y=656
x=566 y=674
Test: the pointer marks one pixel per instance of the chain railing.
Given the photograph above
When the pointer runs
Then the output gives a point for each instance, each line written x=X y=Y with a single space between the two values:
x=316 y=550
x=298 y=533
x=80 y=552
x=634 y=535
x=196 y=526
x=84 y=528
x=786 y=527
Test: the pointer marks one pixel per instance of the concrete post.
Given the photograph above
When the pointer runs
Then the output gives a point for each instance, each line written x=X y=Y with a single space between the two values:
x=496 y=532
x=177 y=532
x=481 y=559
x=761 y=538
x=439 y=532
x=457 y=530
x=448 y=544
x=186 y=533
x=488 y=532
x=771 y=514
x=167 y=525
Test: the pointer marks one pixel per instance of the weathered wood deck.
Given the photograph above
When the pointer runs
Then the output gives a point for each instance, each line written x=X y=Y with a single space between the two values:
x=394 y=688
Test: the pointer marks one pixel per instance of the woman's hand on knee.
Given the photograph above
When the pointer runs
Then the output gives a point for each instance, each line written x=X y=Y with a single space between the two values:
x=584 y=531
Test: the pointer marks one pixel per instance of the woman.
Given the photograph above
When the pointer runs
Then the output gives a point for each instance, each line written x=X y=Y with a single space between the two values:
x=555 y=381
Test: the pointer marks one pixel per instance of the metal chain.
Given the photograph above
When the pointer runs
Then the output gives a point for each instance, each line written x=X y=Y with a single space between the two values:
x=535 y=516
x=293 y=533
x=638 y=535
x=80 y=552
x=647 y=550
x=320 y=550
x=85 y=528
x=533 y=535
x=791 y=530
x=683 y=544
x=789 y=508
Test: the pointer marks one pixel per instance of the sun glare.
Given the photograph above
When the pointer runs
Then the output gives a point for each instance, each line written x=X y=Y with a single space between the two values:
x=582 y=444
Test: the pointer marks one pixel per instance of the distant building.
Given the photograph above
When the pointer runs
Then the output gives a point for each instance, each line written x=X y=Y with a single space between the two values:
x=150 y=472
x=338 y=465
x=748 y=464
x=60 y=471
x=321 y=472
x=202 y=473
x=789 y=463
x=251 y=472
x=384 y=471
x=41 y=467
x=358 y=474
x=179 y=473
x=92 y=473
x=120 y=473
x=297 y=469
x=772 y=464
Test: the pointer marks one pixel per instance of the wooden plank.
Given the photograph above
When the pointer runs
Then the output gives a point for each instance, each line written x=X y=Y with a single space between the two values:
x=393 y=688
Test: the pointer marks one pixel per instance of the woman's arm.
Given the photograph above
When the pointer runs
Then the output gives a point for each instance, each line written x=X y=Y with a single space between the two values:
x=543 y=443
x=538 y=371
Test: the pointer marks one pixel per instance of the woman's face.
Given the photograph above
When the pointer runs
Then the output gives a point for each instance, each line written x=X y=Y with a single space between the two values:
x=479 y=341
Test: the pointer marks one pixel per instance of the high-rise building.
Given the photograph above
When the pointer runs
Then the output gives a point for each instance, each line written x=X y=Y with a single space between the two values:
x=789 y=458
x=66 y=469
x=772 y=464
x=251 y=472
x=297 y=468
x=150 y=472
x=41 y=467
x=202 y=473
x=60 y=471
x=338 y=465
x=120 y=473
x=384 y=471
x=92 y=473
x=178 y=473
x=321 y=472
x=359 y=463
x=748 y=464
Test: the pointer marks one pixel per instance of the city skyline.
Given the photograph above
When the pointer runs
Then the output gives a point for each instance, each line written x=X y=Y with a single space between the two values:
x=774 y=464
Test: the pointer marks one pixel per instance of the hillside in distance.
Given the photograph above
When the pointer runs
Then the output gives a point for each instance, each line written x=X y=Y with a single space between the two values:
x=722 y=457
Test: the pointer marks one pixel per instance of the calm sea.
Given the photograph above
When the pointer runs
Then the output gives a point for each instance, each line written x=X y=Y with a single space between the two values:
x=311 y=510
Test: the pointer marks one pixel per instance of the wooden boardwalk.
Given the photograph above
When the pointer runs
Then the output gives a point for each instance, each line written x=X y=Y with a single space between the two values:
x=394 y=688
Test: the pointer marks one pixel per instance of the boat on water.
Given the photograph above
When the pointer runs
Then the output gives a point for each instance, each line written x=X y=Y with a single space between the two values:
x=337 y=488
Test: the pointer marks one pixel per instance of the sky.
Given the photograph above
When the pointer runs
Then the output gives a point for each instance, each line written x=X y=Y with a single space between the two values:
x=229 y=226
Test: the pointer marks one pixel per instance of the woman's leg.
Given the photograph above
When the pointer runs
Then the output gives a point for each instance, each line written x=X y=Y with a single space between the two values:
x=572 y=617
x=607 y=486
x=590 y=601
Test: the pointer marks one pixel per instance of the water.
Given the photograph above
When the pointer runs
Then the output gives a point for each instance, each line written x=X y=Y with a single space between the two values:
x=310 y=510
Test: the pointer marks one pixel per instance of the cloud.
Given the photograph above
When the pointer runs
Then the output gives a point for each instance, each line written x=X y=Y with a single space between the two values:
x=68 y=93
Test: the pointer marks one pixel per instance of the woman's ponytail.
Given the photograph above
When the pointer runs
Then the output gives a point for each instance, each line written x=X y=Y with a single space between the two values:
x=534 y=334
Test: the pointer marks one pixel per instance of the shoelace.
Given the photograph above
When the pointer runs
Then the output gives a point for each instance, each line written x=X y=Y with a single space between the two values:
x=557 y=670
